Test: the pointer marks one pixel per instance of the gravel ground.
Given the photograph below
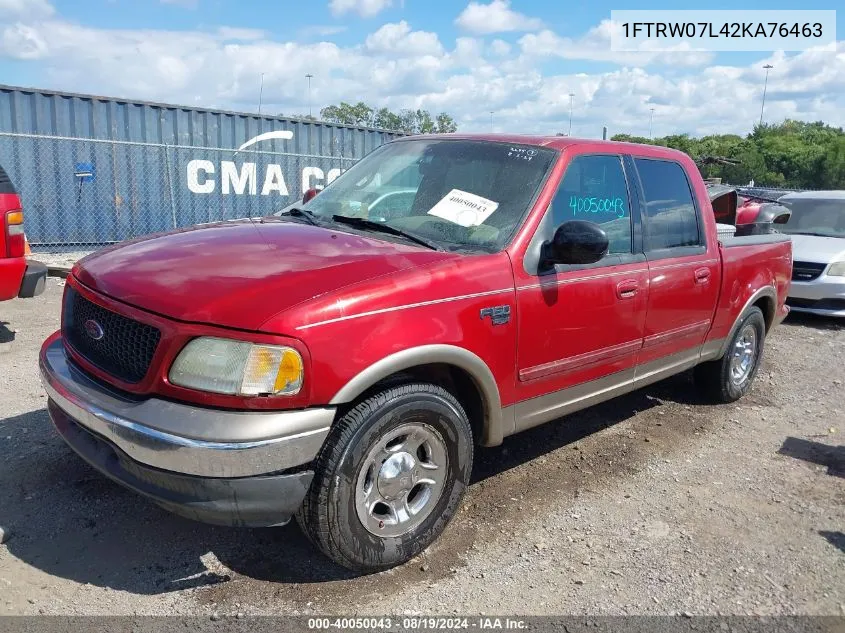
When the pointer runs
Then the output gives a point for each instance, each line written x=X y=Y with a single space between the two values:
x=656 y=503
x=67 y=259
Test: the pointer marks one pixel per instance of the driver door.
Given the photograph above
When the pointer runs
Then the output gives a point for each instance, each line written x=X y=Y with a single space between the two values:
x=580 y=327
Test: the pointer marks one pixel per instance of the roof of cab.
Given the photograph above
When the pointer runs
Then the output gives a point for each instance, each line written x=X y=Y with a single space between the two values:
x=554 y=142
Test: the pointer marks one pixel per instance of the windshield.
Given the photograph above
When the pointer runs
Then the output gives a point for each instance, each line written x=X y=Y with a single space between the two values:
x=458 y=194
x=816 y=217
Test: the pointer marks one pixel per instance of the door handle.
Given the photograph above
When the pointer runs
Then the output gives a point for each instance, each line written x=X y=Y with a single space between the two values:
x=702 y=275
x=627 y=289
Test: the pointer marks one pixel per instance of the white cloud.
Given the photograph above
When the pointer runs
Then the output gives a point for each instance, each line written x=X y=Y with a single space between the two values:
x=500 y=48
x=364 y=8
x=595 y=46
x=20 y=41
x=236 y=33
x=398 y=39
x=468 y=52
x=31 y=9
x=693 y=103
x=398 y=67
x=496 y=17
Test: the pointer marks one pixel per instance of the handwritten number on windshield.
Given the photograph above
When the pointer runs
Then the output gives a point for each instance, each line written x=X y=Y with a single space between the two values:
x=581 y=205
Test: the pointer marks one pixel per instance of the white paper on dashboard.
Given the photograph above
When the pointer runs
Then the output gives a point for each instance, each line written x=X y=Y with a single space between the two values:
x=464 y=208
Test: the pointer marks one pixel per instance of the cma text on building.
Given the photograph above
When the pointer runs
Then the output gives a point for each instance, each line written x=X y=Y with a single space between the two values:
x=205 y=177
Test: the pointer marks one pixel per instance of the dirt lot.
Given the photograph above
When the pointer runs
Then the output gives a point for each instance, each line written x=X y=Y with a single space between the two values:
x=654 y=503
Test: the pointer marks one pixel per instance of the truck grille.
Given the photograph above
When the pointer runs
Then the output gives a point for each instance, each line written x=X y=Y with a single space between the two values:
x=806 y=271
x=116 y=344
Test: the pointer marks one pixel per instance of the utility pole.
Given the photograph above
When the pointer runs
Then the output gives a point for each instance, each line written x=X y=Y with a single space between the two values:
x=650 y=121
x=491 y=121
x=768 y=67
x=309 y=76
x=571 y=97
x=261 y=93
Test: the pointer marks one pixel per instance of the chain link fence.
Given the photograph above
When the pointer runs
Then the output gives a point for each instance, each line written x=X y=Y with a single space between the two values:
x=80 y=194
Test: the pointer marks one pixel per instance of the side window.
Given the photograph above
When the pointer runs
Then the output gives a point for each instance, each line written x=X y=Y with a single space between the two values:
x=670 y=218
x=593 y=188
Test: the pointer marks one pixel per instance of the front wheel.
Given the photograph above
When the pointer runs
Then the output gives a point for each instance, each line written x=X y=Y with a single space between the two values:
x=389 y=477
x=729 y=378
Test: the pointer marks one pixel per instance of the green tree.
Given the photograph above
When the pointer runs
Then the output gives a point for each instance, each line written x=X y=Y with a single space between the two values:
x=425 y=124
x=446 y=124
x=387 y=120
x=796 y=154
x=408 y=121
x=348 y=114
x=834 y=164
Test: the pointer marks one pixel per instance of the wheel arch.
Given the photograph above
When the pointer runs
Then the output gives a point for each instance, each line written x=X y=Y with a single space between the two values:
x=764 y=298
x=429 y=361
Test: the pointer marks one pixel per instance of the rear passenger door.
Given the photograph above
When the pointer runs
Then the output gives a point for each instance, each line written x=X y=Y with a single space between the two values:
x=683 y=270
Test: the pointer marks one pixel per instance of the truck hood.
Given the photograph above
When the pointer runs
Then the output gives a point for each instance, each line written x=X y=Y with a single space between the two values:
x=821 y=250
x=239 y=274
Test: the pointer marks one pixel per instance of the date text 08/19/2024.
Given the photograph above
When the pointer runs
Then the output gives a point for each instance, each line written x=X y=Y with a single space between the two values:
x=418 y=623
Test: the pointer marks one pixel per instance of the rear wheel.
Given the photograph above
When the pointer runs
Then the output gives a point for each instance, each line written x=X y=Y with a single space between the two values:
x=729 y=378
x=389 y=478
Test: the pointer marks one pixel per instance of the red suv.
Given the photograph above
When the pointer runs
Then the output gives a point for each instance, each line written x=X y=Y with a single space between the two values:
x=19 y=277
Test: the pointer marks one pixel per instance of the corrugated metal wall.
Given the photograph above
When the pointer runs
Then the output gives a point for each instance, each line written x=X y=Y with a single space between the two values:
x=43 y=112
x=142 y=156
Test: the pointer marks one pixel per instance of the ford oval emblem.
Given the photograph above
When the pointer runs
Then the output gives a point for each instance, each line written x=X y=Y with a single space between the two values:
x=94 y=330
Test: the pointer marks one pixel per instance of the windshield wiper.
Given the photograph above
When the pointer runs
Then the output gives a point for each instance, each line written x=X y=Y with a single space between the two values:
x=305 y=214
x=364 y=223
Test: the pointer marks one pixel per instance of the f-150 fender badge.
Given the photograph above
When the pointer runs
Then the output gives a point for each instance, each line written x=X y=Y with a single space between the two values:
x=499 y=315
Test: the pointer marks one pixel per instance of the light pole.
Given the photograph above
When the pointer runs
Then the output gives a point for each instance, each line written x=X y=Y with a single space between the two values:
x=571 y=97
x=650 y=121
x=309 y=76
x=261 y=93
x=768 y=67
x=491 y=121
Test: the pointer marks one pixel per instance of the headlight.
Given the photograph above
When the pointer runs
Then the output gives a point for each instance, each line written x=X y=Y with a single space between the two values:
x=232 y=367
x=837 y=269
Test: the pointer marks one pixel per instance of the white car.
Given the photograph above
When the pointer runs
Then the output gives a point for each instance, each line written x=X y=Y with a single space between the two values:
x=817 y=228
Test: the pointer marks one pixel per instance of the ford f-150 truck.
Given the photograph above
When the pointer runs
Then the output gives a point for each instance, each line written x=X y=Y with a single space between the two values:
x=18 y=276
x=338 y=362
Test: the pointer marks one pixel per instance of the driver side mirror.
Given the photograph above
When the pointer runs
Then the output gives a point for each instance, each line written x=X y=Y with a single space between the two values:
x=309 y=194
x=576 y=242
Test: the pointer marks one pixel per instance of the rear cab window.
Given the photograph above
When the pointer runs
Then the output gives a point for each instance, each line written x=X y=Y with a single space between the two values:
x=671 y=217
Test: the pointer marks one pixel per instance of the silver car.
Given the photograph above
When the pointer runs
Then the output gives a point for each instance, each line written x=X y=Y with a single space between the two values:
x=817 y=227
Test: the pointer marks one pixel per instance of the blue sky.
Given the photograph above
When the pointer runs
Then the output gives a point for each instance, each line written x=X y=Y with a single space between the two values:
x=519 y=58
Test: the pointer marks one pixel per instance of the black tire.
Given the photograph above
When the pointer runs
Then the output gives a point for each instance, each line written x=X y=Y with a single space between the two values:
x=714 y=378
x=328 y=514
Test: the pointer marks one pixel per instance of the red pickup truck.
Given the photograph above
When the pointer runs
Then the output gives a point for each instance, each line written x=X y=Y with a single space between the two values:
x=339 y=361
x=18 y=277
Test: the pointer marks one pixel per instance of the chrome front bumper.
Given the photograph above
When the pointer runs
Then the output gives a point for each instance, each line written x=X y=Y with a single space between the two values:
x=181 y=438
